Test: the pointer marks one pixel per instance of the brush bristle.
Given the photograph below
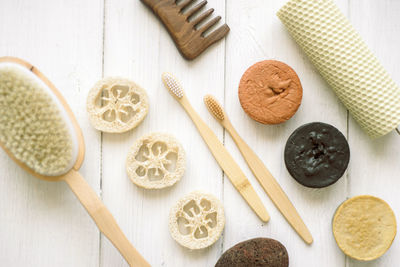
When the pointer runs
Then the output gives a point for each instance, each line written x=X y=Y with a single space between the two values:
x=32 y=127
x=172 y=84
x=214 y=107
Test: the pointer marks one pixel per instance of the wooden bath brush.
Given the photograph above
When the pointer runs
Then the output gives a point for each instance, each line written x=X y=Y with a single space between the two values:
x=184 y=26
x=40 y=133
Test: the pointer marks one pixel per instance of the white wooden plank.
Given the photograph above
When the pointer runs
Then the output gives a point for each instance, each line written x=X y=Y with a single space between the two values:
x=138 y=47
x=375 y=165
x=42 y=223
x=257 y=34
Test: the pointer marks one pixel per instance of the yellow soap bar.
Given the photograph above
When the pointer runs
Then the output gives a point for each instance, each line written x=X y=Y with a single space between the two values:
x=364 y=227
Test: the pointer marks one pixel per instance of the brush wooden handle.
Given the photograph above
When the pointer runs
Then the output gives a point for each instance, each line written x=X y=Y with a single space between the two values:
x=103 y=218
x=227 y=163
x=270 y=185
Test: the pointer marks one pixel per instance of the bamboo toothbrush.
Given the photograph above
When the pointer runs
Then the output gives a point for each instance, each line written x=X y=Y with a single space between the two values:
x=218 y=150
x=40 y=133
x=264 y=177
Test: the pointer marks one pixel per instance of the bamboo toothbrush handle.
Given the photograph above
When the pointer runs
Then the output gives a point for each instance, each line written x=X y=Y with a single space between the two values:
x=227 y=163
x=103 y=218
x=271 y=186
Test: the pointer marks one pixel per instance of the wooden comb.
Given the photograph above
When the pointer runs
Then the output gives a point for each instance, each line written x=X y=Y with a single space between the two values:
x=189 y=39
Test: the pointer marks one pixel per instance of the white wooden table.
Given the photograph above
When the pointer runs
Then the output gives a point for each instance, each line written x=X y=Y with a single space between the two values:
x=75 y=43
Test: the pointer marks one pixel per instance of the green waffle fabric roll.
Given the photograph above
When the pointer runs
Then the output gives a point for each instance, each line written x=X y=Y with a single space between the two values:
x=345 y=62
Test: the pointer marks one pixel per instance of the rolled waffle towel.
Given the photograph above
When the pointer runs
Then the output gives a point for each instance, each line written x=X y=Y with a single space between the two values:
x=345 y=62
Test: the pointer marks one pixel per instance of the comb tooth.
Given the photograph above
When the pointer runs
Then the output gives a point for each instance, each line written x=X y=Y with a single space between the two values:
x=210 y=24
x=202 y=16
x=184 y=4
x=218 y=34
x=193 y=10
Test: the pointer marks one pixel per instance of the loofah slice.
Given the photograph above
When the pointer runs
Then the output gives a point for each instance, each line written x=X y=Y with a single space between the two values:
x=116 y=105
x=197 y=220
x=156 y=161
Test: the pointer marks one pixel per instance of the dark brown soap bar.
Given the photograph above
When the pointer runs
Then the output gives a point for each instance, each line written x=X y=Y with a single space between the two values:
x=255 y=252
x=317 y=154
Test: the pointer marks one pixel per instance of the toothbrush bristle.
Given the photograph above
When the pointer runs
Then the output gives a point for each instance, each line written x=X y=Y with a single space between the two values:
x=172 y=84
x=214 y=107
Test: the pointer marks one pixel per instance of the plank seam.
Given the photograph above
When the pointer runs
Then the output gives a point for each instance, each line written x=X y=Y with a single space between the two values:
x=223 y=129
x=101 y=133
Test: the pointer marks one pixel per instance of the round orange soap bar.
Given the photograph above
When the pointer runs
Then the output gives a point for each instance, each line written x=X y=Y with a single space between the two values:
x=270 y=92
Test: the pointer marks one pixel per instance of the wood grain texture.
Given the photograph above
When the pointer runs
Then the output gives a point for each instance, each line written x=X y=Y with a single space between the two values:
x=189 y=34
x=42 y=224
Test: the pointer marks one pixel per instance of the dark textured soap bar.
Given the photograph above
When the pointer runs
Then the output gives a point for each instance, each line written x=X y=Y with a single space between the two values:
x=317 y=154
x=255 y=252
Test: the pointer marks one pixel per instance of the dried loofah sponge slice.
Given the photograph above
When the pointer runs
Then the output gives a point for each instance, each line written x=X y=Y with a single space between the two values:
x=116 y=105
x=32 y=125
x=197 y=220
x=155 y=161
